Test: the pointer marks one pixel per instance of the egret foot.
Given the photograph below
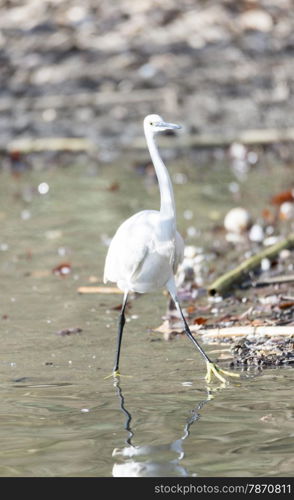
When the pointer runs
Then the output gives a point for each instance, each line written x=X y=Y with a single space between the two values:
x=213 y=369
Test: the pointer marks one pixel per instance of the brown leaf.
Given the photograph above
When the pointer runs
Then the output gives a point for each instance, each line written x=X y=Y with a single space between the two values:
x=191 y=309
x=116 y=308
x=286 y=305
x=280 y=198
x=200 y=321
x=257 y=322
x=14 y=155
x=268 y=216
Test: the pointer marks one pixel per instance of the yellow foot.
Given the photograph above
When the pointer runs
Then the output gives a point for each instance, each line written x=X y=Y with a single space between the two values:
x=213 y=369
x=117 y=374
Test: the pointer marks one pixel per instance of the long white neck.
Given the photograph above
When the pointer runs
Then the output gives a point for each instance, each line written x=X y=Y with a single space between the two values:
x=167 y=202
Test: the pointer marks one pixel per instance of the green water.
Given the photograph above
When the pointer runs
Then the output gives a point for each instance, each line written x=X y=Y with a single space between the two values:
x=59 y=416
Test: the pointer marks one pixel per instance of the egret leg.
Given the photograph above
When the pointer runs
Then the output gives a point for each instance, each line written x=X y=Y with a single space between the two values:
x=189 y=334
x=212 y=368
x=121 y=324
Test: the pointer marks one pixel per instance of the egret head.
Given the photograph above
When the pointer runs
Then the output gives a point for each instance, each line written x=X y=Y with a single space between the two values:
x=155 y=124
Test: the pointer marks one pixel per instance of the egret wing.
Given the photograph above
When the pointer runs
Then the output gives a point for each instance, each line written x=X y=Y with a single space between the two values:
x=129 y=247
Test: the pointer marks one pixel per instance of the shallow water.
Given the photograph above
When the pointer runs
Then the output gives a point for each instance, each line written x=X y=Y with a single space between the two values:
x=59 y=415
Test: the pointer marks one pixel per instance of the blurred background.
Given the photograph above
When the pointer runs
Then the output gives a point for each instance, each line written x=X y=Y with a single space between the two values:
x=94 y=69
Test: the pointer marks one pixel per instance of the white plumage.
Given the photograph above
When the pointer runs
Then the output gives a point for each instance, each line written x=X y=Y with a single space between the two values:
x=144 y=253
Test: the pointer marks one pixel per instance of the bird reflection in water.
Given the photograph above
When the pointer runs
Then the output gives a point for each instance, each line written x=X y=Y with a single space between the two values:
x=152 y=460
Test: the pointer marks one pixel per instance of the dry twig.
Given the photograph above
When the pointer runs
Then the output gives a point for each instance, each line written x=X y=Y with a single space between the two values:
x=227 y=280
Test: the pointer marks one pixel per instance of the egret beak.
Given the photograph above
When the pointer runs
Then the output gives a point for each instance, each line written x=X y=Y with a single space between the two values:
x=165 y=126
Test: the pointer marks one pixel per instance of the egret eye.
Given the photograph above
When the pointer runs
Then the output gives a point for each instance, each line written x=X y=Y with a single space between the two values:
x=151 y=123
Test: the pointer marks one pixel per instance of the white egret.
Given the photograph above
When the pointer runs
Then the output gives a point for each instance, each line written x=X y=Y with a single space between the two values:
x=144 y=253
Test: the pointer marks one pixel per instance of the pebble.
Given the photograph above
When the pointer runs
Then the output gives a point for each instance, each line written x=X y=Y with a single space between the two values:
x=237 y=151
x=190 y=251
x=237 y=220
x=265 y=264
x=25 y=214
x=43 y=188
x=271 y=240
x=256 y=233
x=256 y=19
x=285 y=254
x=188 y=214
x=287 y=211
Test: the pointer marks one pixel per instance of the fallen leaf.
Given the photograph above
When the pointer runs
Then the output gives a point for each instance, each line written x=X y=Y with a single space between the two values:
x=257 y=322
x=268 y=216
x=286 y=305
x=200 y=321
x=14 y=155
x=62 y=269
x=116 y=308
x=170 y=331
x=280 y=198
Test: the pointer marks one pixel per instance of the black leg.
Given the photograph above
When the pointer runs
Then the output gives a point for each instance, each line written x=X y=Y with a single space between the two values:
x=121 y=324
x=212 y=368
x=189 y=334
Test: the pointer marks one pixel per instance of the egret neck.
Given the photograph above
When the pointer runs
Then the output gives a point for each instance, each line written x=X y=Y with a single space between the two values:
x=167 y=202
